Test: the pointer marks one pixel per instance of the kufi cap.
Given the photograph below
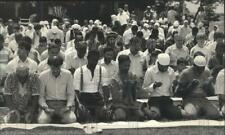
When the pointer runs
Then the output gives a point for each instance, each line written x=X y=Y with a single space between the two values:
x=164 y=59
x=146 y=25
x=46 y=23
x=200 y=61
x=157 y=24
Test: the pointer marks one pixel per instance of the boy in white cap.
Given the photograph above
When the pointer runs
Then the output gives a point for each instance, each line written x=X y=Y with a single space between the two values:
x=158 y=82
x=192 y=88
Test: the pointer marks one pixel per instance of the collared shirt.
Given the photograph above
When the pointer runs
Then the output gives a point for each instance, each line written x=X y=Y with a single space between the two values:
x=137 y=62
x=5 y=56
x=220 y=81
x=31 y=64
x=153 y=75
x=127 y=35
x=111 y=69
x=60 y=88
x=176 y=53
x=90 y=84
x=75 y=62
x=21 y=95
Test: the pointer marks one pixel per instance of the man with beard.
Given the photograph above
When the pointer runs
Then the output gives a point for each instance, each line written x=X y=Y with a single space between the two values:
x=21 y=95
x=158 y=82
x=192 y=87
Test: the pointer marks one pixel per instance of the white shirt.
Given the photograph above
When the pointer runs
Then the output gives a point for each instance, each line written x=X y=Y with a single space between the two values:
x=112 y=69
x=90 y=85
x=72 y=61
x=176 y=53
x=196 y=48
x=127 y=35
x=137 y=62
x=154 y=75
x=31 y=64
x=146 y=33
x=123 y=18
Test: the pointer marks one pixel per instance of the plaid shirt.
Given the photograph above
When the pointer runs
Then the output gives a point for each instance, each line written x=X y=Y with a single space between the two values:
x=12 y=87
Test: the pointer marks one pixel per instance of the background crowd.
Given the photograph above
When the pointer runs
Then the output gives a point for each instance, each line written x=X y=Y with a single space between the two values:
x=65 y=72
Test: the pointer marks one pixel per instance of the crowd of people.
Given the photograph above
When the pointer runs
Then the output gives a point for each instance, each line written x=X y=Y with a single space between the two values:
x=64 y=72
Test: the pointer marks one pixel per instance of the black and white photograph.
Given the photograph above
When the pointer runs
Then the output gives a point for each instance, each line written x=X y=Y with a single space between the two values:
x=112 y=67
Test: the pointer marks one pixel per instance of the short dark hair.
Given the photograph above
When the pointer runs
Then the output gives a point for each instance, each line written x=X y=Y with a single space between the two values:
x=58 y=42
x=24 y=44
x=37 y=27
x=55 y=60
x=134 y=28
x=18 y=37
x=123 y=58
x=135 y=40
x=140 y=34
x=107 y=49
x=27 y=39
x=93 y=53
x=43 y=39
x=81 y=45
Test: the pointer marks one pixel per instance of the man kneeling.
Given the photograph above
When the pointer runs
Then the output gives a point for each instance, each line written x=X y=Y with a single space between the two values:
x=57 y=93
x=21 y=94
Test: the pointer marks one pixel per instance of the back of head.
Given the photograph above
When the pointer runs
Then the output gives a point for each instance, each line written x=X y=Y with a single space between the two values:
x=25 y=45
x=123 y=58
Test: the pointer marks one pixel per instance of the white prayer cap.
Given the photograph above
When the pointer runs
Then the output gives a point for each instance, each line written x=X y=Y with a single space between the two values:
x=91 y=21
x=55 y=20
x=200 y=61
x=134 y=23
x=76 y=26
x=164 y=59
x=45 y=22
x=157 y=24
x=176 y=24
x=41 y=22
x=185 y=21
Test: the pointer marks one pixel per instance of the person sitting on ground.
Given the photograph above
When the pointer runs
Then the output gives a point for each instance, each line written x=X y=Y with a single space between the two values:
x=192 y=87
x=56 y=93
x=124 y=87
x=21 y=93
x=158 y=82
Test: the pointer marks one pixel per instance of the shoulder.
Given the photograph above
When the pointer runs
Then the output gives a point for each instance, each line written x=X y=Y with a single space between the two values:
x=44 y=73
x=32 y=61
x=65 y=71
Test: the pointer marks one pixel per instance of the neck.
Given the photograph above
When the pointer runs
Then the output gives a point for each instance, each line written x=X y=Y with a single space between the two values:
x=23 y=59
x=91 y=67
x=107 y=62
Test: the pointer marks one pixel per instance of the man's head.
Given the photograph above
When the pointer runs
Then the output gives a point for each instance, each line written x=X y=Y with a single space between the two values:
x=151 y=44
x=218 y=36
x=215 y=27
x=18 y=37
x=53 y=49
x=200 y=39
x=55 y=63
x=108 y=54
x=135 y=44
x=126 y=7
x=194 y=31
x=43 y=42
x=124 y=63
x=163 y=62
x=78 y=37
x=81 y=48
x=111 y=38
x=22 y=72
x=179 y=41
x=185 y=23
x=181 y=64
x=93 y=57
x=23 y=50
x=27 y=39
x=134 y=29
x=199 y=64
x=1 y=41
